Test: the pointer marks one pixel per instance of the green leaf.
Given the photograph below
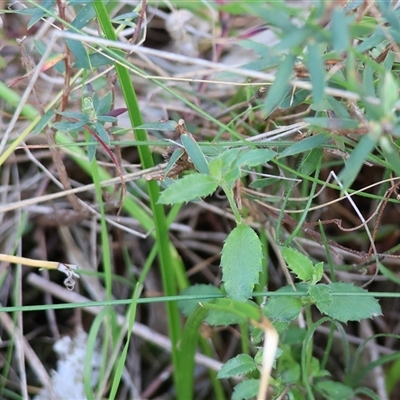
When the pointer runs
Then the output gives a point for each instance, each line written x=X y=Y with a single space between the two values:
x=241 y=262
x=188 y=188
x=280 y=87
x=389 y=93
x=99 y=129
x=283 y=308
x=245 y=158
x=126 y=16
x=43 y=122
x=224 y=311
x=311 y=161
x=91 y=148
x=321 y=294
x=39 y=13
x=79 y=52
x=195 y=153
x=333 y=123
x=69 y=126
x=159 y=126
x=356 y=160
x=298 y=263
x=389 y=274
x=102 y=105
x=335 y=390
x=368 y=81
x=247 y=389
x=352 y=305
x=391 y=153
x=242 y=364
x=84 y=16
x=310 y=143
x=318 y=272
x=316 y=68
x=340 y=34
x=176 y=155
x=215 y=166
x=255 y=157
x=187 y=306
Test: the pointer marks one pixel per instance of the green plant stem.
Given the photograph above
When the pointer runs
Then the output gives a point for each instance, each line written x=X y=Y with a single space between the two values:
x=232 y=203
x=161 y=227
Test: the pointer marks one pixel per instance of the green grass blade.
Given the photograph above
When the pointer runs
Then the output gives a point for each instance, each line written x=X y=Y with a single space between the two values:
x=167 y=263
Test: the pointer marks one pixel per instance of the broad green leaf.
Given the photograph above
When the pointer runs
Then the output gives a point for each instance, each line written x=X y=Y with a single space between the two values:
x=352 y=305
x=188 y=188
x=79 y=52
x=316 y=69
x=321 y=294
x=215 y=167
x=247 y=389
x=339 y=29
x=245 y=310
x=335 y=390
x=195 y=153
x=318 y=272
x=310 y=143
x=247 y=158
x=282 y=308
x=298 y=263
x=187 y=306
x=215 y=316
x=43 y=122
x=159 y=126
x=242 y=364
x=356 y=160
x=280 y=87
x=254 y=157
x=241 y=262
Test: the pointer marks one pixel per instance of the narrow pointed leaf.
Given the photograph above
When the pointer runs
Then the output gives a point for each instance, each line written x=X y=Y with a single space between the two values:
x=195 y=153
x=159 y=126
x=316 y=69
x=340 y=34
x=280 y=87
x=356 y=160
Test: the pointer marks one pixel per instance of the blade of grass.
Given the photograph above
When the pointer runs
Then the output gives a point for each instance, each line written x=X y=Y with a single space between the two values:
x=167 y=263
